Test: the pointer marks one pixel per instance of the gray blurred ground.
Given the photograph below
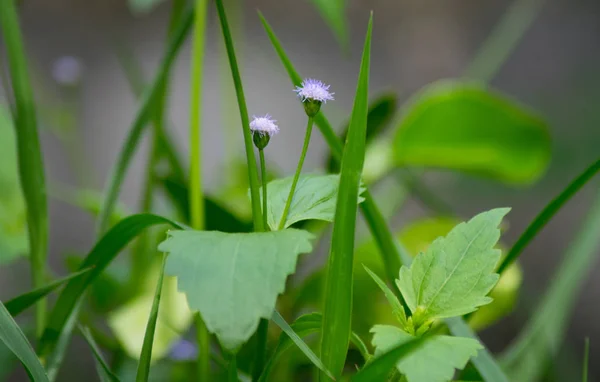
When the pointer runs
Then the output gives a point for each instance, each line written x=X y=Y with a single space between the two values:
x=555 y=70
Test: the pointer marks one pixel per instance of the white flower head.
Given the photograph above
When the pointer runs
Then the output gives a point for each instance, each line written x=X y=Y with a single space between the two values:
x=314 y=90
x=264 y=125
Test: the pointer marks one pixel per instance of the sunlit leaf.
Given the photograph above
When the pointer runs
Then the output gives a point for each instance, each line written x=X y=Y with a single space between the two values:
x=466 y=127
x=455 y=274
x=233 y=279
x=435 y=361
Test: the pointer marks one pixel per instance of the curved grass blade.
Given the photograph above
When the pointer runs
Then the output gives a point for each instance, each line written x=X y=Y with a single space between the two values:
x=239 y=91
x=280 y=321
x=547 y=214
x=303 y=326
x=143 y=371
x=106 y=375
x=379 y=368
x=31 y=167
x=15 y=340
x=338 y=287
x=105 y=250
x=17 y=305
x=144 y=115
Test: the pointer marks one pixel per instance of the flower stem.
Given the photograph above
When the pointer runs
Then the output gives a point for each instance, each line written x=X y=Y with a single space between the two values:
x=288 y=203
x=196 y=194
x=263 y=177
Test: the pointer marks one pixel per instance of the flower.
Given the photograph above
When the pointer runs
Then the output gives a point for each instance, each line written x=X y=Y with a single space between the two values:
x=67 y=70
x=264 y=125
x=314 y=90
x=262 y=129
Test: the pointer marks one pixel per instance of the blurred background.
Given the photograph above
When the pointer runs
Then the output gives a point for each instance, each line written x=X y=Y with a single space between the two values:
x=76 y=51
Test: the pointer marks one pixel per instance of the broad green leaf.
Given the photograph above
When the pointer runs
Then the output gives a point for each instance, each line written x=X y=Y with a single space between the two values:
x=435 y=361
x=128 y=322
x=315 y=198
x=104 y=372
x=337 y=312
x=333 y=11
x=12 y=336
x=143 y=6
x=455 y=274
x=13 y=220
x=233 y=279
x=18 y=304
x=99 y=258
x=467 y=127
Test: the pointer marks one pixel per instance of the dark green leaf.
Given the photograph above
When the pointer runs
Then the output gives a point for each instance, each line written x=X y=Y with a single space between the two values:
x=15 y=340
x=338 y=288
x=586 y=360
x=466 y=127
x=106 y=375
x=18 y=304
x=233 y=279
x=100 y=256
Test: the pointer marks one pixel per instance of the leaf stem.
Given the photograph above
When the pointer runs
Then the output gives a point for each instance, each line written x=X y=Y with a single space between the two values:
x=196 y=190
x=263 y=177
x=288 y=203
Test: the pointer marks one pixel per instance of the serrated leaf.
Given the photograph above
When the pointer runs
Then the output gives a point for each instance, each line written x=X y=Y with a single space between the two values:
x=456 y=272
x=233 y=279
x=314 y=199
x=468 y=127
x=434 y=361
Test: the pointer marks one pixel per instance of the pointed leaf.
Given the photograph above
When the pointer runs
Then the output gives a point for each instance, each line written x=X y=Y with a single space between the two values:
x=12 y=336
x=466 y=127
x=233 y=279
x=456 y=272
x=397 y=307
x=333 y=11
x=105 y=374
x=314 y=199
x=435 y=361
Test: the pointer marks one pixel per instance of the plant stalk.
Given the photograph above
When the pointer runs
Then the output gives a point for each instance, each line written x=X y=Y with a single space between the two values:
x=288 y=203
x=263 y=177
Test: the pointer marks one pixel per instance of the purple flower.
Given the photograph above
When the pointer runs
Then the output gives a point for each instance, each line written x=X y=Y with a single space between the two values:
x=314 y=90
x=264 y=125
x=183 y=350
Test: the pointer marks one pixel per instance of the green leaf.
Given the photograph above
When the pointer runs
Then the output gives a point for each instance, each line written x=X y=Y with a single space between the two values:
x=380 y=114
x=17 y=305
x=337 y=312
x=435 y=361
x=466 y=127
x=140 y=7
x=455 y=274
x=397 y=307
x=14 y=241
x=586 y=359
x=333 y=12
x=106 y=375
x=99 y=258
x=15 y=340
x=143 y=371
x=142 y=118
x=314 y=199
x=233 y=279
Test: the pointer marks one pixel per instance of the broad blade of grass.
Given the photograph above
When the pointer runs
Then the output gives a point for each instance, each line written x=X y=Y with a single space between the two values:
x=105 y=250
x=239 y=91
x=379 y=368
x=31 y=168
x=337 y=312
x=15 y=340
x=17 y=305
x=143 y=371
x=280 y=321
x=547 y=214
x=105 y=374
x=143 y=117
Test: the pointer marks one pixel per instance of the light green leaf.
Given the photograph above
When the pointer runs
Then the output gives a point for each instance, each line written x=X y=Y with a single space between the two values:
x=397 y=307
x=456 y=272
x=333 y=12
x=13 y=220
x=314 y=199
x=434 y=361
x=233 y=279
x=466 y=127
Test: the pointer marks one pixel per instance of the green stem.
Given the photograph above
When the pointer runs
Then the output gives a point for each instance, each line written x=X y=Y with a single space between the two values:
x=288 y=203
x=232 y=373
x=196 y=190
x=31 y=168
x=263 y=177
